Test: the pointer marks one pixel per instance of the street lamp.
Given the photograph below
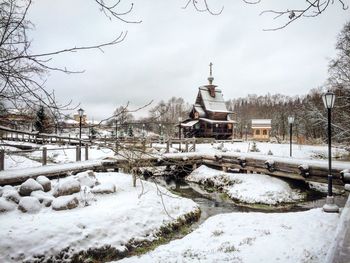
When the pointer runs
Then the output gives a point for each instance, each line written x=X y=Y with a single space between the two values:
x=160 y=132
x=180 y=120
x=81 y=113
x=116 y=127
x=290 y=122
x=328 y=101
x=246 y=131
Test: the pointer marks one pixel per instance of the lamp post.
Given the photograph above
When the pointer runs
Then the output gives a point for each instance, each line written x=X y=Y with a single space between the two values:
x=180 y=120
x=116 y=127
x=160 y=132
x=81 y=113
x=143 y=130
x=328 y=101
x=290 y=122
x=246 y=131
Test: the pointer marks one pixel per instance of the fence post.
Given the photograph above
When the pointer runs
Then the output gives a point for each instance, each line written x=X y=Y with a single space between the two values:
x=186 y=146
x=2 y=160
x=86 y=152
x=116 y=147
x=144 y=145
x=44 y=160
x=167 y=146
x=77 y=154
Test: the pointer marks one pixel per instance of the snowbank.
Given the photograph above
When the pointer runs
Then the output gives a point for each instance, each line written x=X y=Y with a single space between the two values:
x=276 y=149
x=246 y=188
x=252 y=237
x=111 y=219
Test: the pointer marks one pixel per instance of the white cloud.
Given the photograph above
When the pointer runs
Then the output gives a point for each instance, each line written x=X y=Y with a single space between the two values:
x=169 y=52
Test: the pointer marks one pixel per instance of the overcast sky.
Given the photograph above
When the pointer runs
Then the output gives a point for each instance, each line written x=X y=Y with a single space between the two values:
x=169 y=52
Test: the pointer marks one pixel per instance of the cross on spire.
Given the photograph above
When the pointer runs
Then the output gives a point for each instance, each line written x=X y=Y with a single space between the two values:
x=210 y=78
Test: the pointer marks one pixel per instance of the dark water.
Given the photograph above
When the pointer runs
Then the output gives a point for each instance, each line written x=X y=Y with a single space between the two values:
x=213 y=203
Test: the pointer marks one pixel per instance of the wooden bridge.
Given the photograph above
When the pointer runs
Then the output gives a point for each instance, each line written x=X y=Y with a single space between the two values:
x=297 y=169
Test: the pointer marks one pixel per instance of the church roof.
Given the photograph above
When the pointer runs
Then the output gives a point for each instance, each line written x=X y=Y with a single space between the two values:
x=214 y=104
x=199 y=109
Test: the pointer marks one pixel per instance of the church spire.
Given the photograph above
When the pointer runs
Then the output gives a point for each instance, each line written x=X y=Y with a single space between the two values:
x=210 y=78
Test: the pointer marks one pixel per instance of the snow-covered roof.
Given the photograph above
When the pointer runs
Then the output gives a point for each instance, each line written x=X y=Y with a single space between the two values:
x=69 y=121
x=199 y=109
x=92 y=122
x=189 y=124
x=261 y=123
x=216 y=121
x=216 y=104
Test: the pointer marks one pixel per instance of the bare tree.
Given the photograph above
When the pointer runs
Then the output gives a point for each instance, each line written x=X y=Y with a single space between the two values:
x=306 y=9
x=22 y=72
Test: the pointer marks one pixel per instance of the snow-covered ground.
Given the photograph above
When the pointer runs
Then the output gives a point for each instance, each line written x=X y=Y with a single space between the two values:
x=110 y=219
x=55 y=154
x=279 y=150
x=252 y=237
x=315 y=152
x=246 y=188
x=19 y=162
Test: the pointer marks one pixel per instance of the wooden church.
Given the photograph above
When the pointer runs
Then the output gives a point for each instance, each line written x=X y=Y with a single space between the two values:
x=209 y=117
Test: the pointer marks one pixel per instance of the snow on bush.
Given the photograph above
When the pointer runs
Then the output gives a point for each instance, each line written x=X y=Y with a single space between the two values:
x=66 y=186
x=65 y=202
x=246 y=188
x=114 y=220
x=29 y=186
x=43 y=197
x=87 y=178
x=45 y=183
x=29 y=204
x=105 y=188
x=6 y=206
x=11 y=194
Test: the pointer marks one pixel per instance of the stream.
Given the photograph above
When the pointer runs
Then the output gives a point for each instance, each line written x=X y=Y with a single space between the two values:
x=213 y=203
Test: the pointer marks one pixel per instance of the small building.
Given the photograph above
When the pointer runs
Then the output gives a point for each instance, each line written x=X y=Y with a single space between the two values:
x=209 y=116
x=76 y=118
x=261 y=129
x=18 y=119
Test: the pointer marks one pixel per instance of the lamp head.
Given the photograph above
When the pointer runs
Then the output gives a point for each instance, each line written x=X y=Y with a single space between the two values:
x=81 y=112
x=328 y=99
x=290 y=119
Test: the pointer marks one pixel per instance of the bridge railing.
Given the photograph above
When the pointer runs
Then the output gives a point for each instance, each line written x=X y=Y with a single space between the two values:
x=44 y=154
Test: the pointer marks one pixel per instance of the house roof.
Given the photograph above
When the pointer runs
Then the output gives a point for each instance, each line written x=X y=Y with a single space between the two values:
x=215 y=104
x=216 y=121
x=261 y=123
x=189 y=123
x=199 y=109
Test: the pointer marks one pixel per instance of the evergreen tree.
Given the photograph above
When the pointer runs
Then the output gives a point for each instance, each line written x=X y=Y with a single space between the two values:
x=40 y=120
x=130 y=131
